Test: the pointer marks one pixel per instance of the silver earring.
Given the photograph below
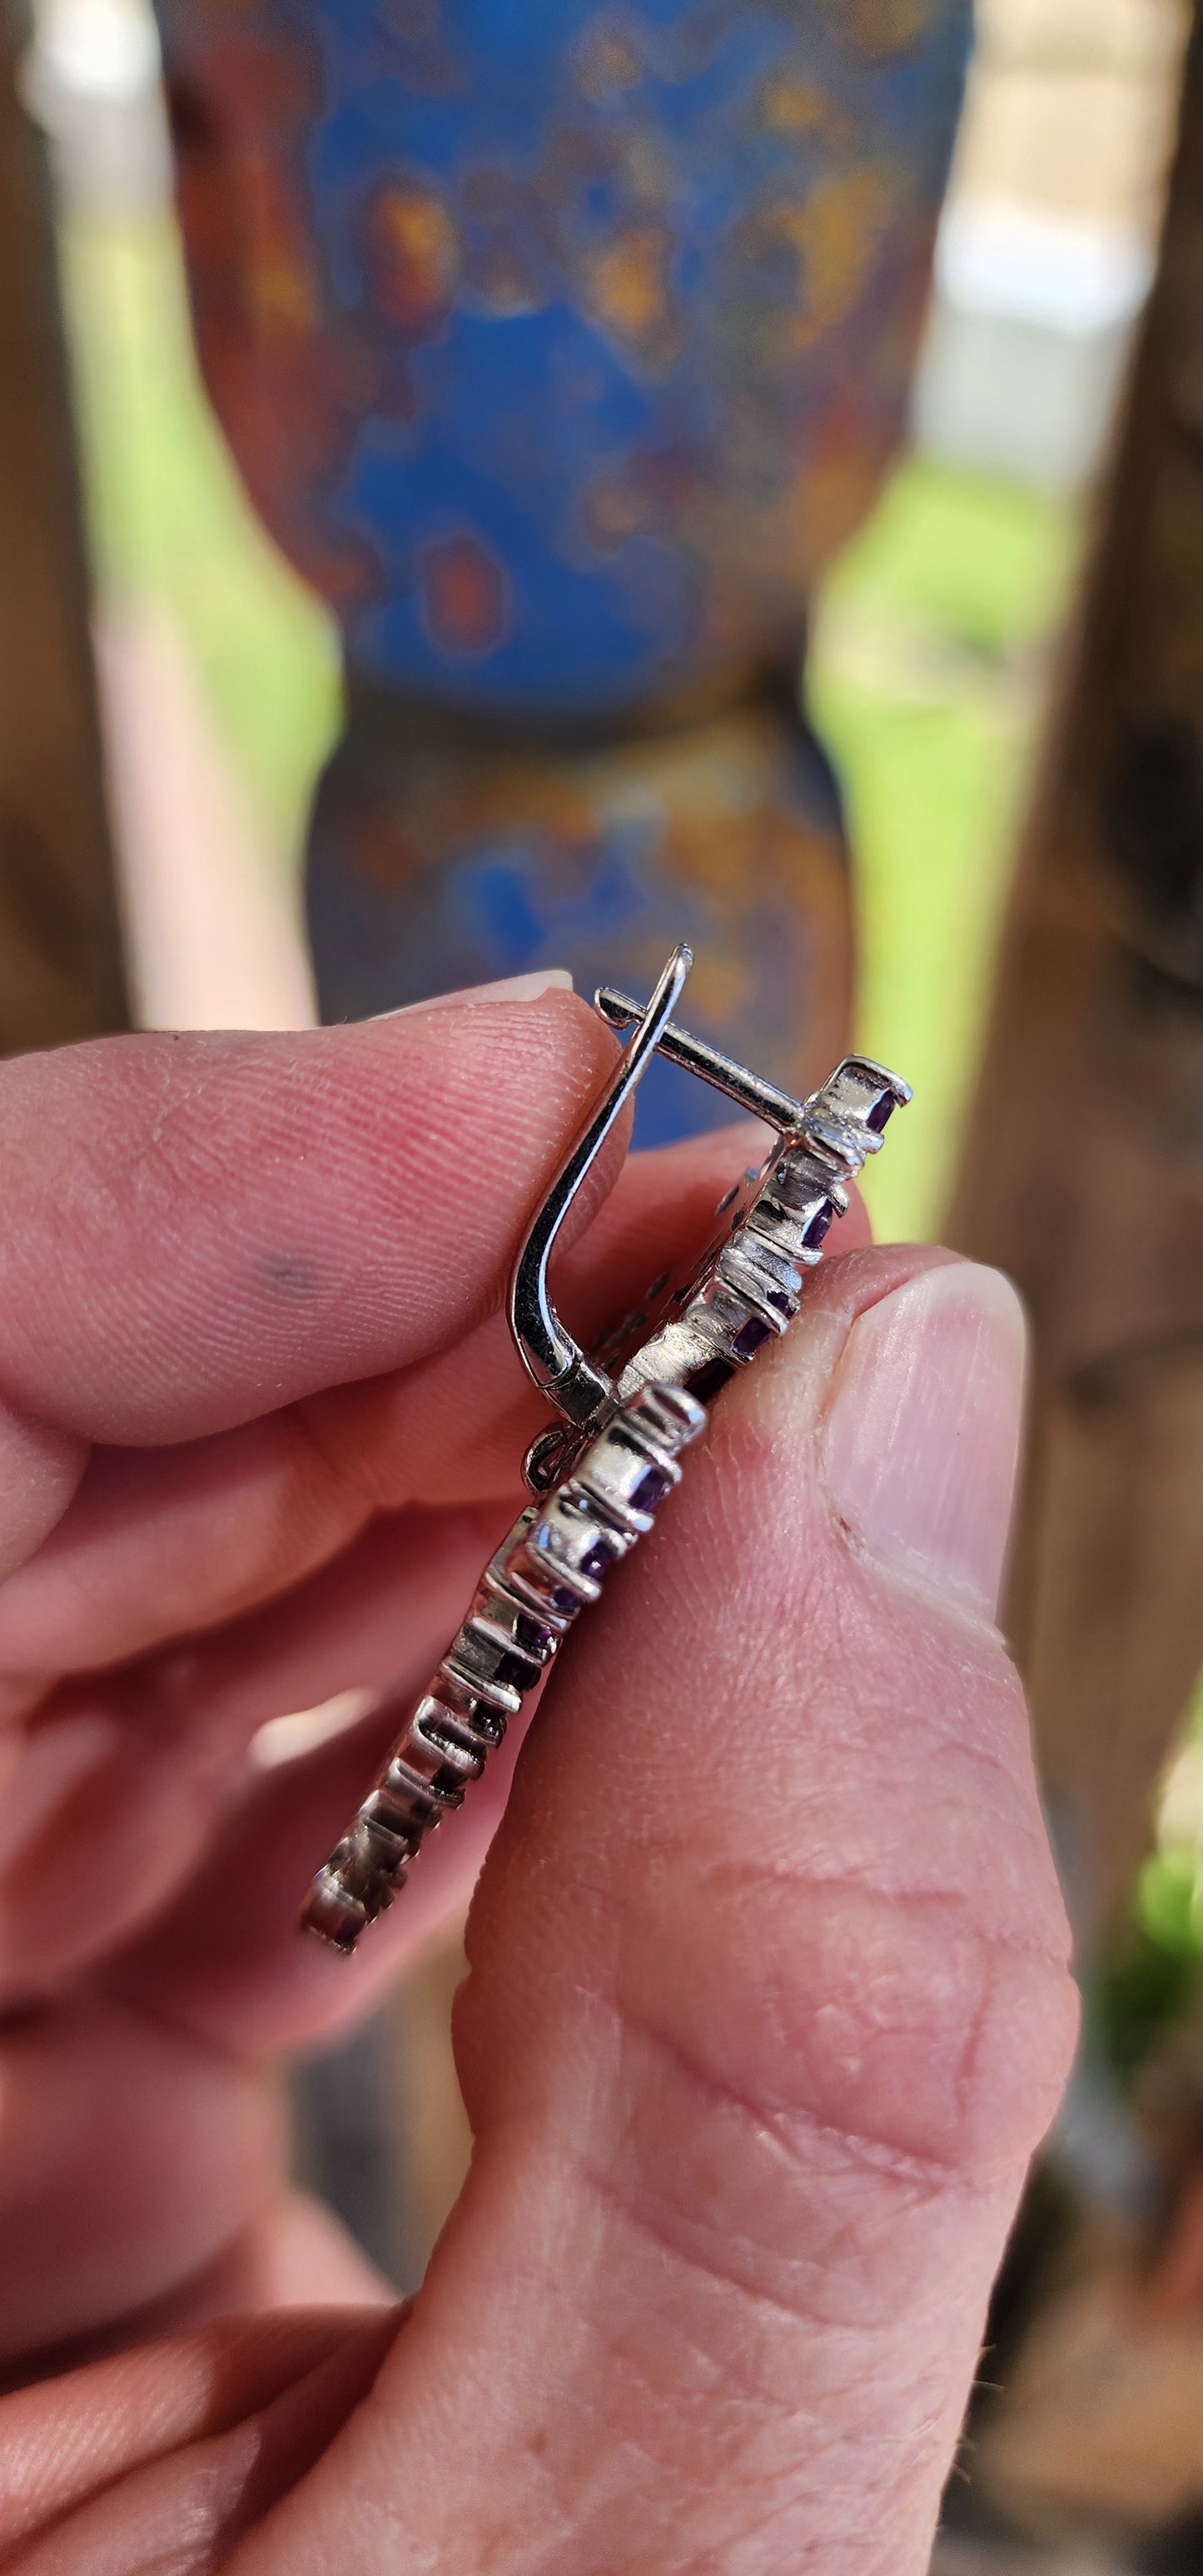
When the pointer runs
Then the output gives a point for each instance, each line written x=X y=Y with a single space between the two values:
x=627 y=1412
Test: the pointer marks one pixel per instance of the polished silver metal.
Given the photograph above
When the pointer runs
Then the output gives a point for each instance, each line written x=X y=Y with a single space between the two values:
x=558 y=1365
x=627 y=1413
x=748 y=1090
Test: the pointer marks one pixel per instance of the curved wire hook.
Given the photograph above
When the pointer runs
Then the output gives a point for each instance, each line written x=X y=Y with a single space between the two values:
x=550 y=1355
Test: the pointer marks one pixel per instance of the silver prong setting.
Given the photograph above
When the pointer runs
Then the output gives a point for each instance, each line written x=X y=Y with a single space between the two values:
x=612 y=1477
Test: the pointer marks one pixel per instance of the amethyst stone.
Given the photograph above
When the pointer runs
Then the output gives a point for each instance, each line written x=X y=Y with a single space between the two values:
x=782 y=1301
x=881 y=1112
x=651 y=1489
x=599 y=1559
x=514 y=1672
x=531 y=1633
x=564 y=1601
x=751 y=1337
x=819 y=1227
x=709 y=1378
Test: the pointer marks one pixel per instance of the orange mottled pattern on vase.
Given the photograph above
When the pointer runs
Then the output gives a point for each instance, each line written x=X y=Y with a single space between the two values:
x=561 y=344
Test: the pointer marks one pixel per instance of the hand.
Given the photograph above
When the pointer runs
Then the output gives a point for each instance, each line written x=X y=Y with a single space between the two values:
x=768 y=2003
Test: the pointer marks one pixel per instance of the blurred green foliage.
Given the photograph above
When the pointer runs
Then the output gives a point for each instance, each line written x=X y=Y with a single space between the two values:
x=1154 y=1969
x=1144 y=1985
x=170 y=523
x=927 y=677
x=932 y=659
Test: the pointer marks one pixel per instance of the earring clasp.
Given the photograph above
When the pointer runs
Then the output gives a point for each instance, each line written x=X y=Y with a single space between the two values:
x=844 y=1119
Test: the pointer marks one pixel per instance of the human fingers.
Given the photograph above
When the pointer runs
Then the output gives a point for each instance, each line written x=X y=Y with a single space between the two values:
x=143 y=2192
x=117 y=1786
x=162 y=1541
x=118 y=1776
x=224 y=1959
x=68 y=2441
x=199 y=1229
x=130 y=2157
x=768 y=2009
x=174 y=2509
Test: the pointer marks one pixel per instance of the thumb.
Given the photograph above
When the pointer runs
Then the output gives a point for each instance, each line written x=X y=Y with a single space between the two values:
x=768 y=2009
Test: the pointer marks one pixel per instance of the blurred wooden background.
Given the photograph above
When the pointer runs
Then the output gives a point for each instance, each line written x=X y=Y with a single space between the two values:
x=61 y=961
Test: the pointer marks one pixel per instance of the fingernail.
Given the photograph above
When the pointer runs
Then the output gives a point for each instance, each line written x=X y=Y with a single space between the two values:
x=923 y=1428
x=509 y=988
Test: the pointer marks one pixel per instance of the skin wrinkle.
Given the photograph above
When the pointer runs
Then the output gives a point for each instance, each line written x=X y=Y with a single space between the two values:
x=982 y=1768
x=506 y=2038
x=804 y=1807
x=208 y=2495
x=763 y=2103
x=711 y=2265
x=551 y=1049
x=831 y=2281
x=877 y=2154
x=376 y=1417
x=204 y=2383
x=861 y=2438
x=824 y=1611
x=955 y=1901
x=510 y=2326
x=641 y=2218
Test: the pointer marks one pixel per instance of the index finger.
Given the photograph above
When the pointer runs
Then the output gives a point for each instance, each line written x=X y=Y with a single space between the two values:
x=200 y=1229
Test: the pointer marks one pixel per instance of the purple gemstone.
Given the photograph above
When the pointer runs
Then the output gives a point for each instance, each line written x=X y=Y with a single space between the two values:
x=709 y=1379
x=488 y=1723
x=449 y=1780
x=651 y=1489
x=514 y=1672
x=564 y=1601
x=599 y=1559
x=784 y=1304
x=751 y=1337
x=819 y=1227
x=532 y=1634
x=881 y=1112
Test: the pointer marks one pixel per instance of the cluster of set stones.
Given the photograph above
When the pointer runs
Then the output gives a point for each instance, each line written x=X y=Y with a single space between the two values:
x=560 y=1550
x=548 y=1569
x=750 y=1286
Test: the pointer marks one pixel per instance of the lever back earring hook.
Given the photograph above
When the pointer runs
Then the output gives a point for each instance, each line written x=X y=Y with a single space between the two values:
x=600 y=1475
x=575 y=1385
